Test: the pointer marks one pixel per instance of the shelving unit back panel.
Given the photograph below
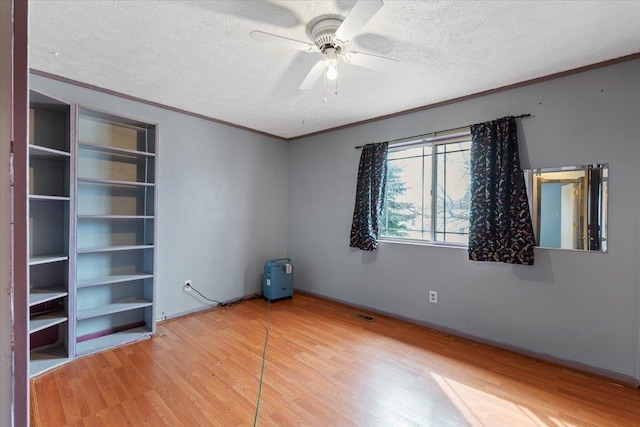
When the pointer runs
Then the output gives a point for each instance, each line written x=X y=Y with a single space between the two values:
x=48 y=225
x=95 y=199
x=95 y=265
x=94 y=327
x=55 y=274
x=99 y=233
x=49 y=128
x=97 y=296
x=48 y=357
x=118 y=167
x=49 y=177
x=103 y=129
x=56 y=335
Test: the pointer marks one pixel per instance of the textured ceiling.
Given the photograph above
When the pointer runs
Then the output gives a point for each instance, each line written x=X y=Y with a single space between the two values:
x=197 y=55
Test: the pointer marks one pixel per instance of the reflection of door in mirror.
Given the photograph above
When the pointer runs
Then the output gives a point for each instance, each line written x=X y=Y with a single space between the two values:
x=560 y=213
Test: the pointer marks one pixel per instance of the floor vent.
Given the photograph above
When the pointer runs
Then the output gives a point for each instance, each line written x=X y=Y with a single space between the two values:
x=364 y=317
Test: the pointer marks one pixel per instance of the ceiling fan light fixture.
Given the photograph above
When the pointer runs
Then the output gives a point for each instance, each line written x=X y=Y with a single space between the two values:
x=331 y=62
x=332 y=70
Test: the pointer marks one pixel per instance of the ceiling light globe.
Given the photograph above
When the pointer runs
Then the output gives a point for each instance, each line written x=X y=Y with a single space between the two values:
x=332 y=72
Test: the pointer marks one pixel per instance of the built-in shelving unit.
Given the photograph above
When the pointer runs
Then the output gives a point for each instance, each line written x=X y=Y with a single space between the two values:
x=92 y=231
x=115 y=239
x=50 y=209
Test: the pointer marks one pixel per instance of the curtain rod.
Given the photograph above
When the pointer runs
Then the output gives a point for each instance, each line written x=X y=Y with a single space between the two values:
x=521 y=116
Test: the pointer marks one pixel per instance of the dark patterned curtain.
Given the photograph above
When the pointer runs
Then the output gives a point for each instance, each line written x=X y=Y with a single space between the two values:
x=372 y=179
x=500 y=222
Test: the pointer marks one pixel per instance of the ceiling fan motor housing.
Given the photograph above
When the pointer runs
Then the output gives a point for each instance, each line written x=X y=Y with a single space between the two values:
x=323 y=33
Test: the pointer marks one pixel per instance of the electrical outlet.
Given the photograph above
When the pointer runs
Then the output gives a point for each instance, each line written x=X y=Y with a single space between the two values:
x=433 y=297
x=187 y=285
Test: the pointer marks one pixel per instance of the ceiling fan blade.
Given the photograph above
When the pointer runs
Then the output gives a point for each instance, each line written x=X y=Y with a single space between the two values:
x=370 y=61
x=282 y=41
x=313 y=75
x=361 y=13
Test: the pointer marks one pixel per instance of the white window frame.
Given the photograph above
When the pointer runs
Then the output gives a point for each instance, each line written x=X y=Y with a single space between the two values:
x=433 y=140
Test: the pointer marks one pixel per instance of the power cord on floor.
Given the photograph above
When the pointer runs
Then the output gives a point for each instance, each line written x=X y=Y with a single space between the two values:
x=264 y=349
x=225 y=304
x=264 y=361
x=221 y=304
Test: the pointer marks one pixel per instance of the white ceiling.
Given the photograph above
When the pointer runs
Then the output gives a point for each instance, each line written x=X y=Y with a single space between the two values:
x=197 y=55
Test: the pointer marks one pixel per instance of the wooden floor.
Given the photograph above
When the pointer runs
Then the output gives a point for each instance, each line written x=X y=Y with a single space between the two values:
x=324 y=368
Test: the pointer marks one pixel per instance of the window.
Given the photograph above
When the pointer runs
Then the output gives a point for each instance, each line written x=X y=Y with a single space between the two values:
x=428 y=189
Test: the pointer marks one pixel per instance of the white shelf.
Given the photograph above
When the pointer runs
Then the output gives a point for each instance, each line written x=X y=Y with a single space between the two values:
x=114 y=249
x=40 y=152
x=113 y=150
x=36 y=197
x=40 y=295
x=107 y=280
x=112 y=340
x=116 y=307
x=116 y=217
x=42 y=360
x=114 y=182
x=46 y=259
x=44 y=321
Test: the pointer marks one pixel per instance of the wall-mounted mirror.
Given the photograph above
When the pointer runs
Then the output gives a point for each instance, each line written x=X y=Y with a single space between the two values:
x=569 y=206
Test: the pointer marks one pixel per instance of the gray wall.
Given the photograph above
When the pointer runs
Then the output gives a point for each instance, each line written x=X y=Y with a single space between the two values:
x=222 y=200
x=579 y=307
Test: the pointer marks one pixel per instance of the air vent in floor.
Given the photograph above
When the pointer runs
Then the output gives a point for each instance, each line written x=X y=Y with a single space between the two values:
x=364 y=317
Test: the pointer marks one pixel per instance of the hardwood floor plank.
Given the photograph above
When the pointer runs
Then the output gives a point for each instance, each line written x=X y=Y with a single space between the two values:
x=324 y=368
x=115 y=416
x=47 y=403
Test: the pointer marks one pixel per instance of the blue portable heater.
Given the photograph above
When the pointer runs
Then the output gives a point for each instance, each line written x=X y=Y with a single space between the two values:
x=277 y=282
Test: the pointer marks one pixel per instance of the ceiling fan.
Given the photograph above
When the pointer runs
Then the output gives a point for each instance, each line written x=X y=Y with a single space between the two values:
x=330 y=35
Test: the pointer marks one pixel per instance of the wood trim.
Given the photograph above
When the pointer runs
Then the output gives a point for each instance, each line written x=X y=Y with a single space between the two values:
x=147 y=102
x=20 y=210
x=576 y=367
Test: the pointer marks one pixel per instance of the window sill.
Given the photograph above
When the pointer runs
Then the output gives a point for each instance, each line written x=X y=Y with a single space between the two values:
x=462 y=246
x=423 y=243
